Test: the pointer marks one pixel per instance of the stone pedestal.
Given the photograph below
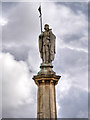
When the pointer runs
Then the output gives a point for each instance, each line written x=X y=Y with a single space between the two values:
x=46 y=81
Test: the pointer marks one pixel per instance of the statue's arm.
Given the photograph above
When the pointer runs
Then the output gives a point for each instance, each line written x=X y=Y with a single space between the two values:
x=53 y=41
x=40 y=42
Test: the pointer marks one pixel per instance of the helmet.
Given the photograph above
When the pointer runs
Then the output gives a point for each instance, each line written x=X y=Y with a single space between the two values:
x=45 y=26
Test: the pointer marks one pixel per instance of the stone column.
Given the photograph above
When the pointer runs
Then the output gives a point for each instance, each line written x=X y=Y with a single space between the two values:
x=46 y=106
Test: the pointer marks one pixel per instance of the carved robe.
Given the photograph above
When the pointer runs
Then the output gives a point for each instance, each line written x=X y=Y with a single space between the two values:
x=47 y=46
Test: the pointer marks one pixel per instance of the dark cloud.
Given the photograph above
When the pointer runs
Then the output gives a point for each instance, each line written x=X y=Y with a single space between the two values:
x=73 y=104
x=20 y=52
x=78 y=39
x=68 y=59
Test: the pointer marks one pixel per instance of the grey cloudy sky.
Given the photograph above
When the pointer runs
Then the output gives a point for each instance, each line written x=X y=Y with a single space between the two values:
x=21 y=60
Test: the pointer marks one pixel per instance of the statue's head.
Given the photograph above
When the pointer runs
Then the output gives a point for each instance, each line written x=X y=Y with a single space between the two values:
x=46 y=27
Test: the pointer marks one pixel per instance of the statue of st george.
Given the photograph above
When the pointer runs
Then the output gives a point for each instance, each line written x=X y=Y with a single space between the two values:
x=47 y=45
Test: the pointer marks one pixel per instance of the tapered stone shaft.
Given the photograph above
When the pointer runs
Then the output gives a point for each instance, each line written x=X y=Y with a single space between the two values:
x=46 y=107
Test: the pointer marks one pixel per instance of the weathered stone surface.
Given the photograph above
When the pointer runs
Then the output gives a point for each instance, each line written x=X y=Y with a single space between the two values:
x=46 y=69
x=47 y=45
x=46 y=79
x=46 y=95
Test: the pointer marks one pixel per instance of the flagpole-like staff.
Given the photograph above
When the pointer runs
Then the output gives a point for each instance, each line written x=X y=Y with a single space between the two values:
x=39 y=9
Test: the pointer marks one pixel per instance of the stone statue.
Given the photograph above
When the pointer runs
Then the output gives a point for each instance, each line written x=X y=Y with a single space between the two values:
x=47 y=45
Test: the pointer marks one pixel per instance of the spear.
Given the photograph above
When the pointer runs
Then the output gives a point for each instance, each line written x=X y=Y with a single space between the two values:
x=39 y=9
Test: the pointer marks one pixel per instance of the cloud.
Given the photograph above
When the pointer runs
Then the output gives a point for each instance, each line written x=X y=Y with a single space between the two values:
x=73 y=102
x=16 y=84
x=72 y=89
x=20 y=38
x=70 y=28
x=18 y=51
x=23 y=30
x=20 y=35
x=18 y=87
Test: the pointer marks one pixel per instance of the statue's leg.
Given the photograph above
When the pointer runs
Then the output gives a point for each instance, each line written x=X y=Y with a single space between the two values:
x=51 y=55
x=44 y=54
x=47 y=54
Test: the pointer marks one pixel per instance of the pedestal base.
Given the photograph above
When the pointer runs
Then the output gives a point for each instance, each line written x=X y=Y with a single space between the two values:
x=46 y=69
x=46 y=107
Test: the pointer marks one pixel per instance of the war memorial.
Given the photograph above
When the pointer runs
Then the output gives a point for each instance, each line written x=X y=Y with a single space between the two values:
x=46 y=79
